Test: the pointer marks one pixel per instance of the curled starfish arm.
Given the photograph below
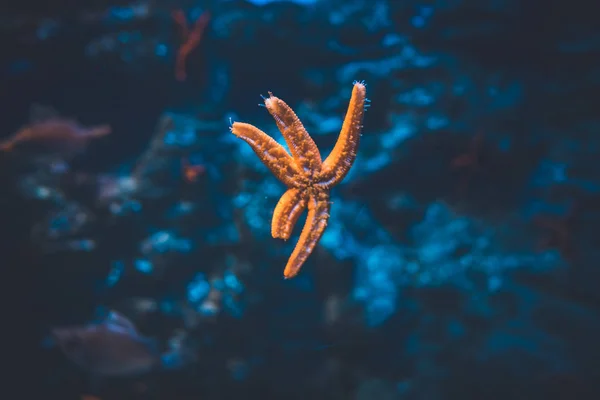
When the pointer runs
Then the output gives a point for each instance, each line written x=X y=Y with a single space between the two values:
x=316 y=222
x=286 y=214
x=337 y=165
x=301 y=145
x=271 y=153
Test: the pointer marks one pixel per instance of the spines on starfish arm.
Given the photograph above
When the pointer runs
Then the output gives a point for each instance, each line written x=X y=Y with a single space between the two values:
x=286 y=214
x=271 y=153
x=316 y=222
x=303 y=148
x=337 y=165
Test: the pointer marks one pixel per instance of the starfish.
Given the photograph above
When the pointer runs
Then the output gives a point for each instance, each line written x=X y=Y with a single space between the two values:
x=308 y=178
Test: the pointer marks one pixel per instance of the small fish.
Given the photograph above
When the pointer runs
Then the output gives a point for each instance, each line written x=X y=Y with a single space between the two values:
x=113 y=347
x=56 y=132
x=53 y=133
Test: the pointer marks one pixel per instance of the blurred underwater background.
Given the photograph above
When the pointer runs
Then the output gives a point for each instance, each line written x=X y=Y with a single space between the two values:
x=459 y=260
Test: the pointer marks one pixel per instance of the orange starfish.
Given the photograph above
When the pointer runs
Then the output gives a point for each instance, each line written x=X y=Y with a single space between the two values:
x=309 y=180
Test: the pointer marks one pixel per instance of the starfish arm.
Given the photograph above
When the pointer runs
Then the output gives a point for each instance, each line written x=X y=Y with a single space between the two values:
x=316 y=222
x=271 y=153
x=303 y=148
x=288 y=210
x=338 y=163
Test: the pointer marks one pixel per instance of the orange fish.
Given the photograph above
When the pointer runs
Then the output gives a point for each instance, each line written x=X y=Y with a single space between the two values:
x=54 y=134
